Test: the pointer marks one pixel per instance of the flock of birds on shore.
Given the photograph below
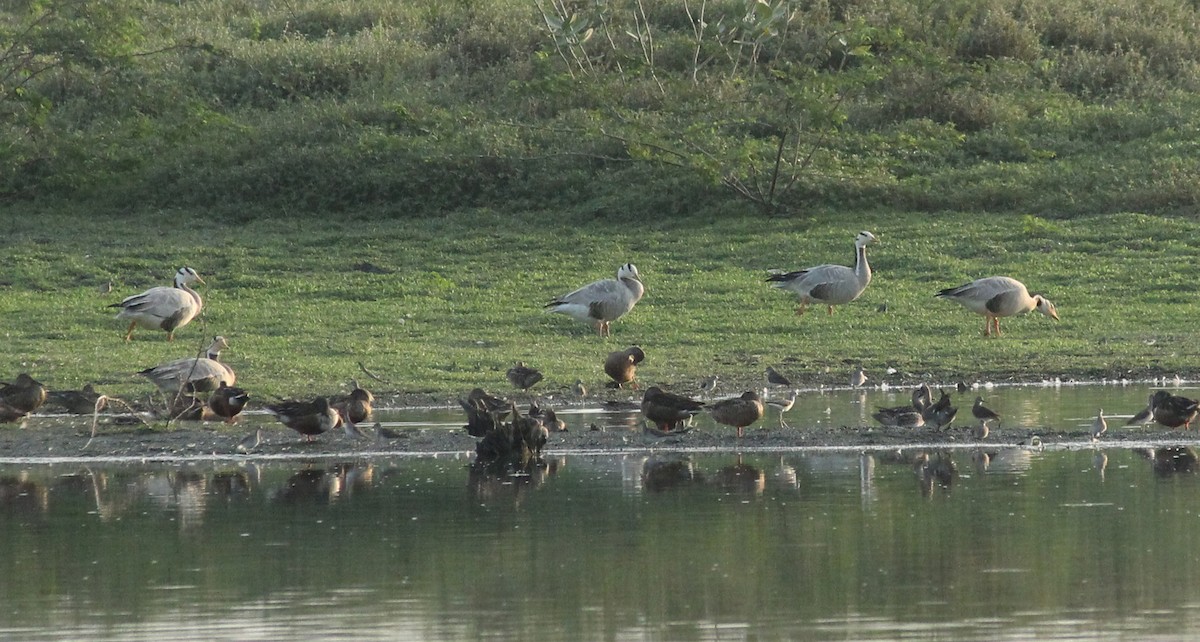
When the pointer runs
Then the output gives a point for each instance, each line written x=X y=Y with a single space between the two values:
x=204 y=387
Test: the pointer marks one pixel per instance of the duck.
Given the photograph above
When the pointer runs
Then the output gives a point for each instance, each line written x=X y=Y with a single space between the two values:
x=829 y=285
x=995 y=297
x=983 y=413
x=899 y=417
x=84 y=401
x=309 y=418
x=738 y=412
x=1173 y=411
x=192 y=374
x=774 y=378
x=548 y=417
x=227 y=402
x=25 y=394
x=163 y=308
x=355 y=407
x=668 y=410
x=602 y=302
x=940 y=414
x=922 y=397
x=783 y=405
x=621 y=366
x=1099 y=426
x=522 y=376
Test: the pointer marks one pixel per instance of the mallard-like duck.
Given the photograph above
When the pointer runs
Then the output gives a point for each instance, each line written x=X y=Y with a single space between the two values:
x=668 y=410
x=621 y=366
x=783 y=405
x=548 y=417
x=163 y=308
x=356 y=407
x=940 y=414
x=1173 y=411
x=309 y=418
x=1099 y=425
x=774 y=378
x=227 y=402
x=829 y=285
x=738 y=412
x=922 y=397
x=522 y=376
x=9 y=415
x=192 y=374
x=602 y=302
x=25 y=394
x=998 y=296
x=983 y=413
x=84 y=401
x=899 y=417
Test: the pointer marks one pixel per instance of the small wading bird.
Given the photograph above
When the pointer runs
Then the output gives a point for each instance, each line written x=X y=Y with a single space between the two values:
x=522 y=376
x=1099 y=425
x=250 y=442
x=602 y=302
x=579 y=389
x=783 y=405
x=309 y=418
x=776 y=379
x=668 y=410
x=983 y=413
x=858 y=378
x=738 y=412
x=621 y=366
x=709 y=385
x=163 y=308
x=995 y=297
x=829 y=285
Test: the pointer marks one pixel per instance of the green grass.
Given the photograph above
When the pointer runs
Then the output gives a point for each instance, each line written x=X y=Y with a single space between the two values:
x=464 y=299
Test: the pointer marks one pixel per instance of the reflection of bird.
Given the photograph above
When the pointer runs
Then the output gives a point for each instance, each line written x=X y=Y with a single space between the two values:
x=709 y=385
x=668 y=410
x=1099 y=425
x=250 y=442
x=602 y=302
x=738 y=412
x=783 y=405
x=25 y=394
x=1173 y=411
x=193 y=374
x=163 y=308
x=998 y=296
x=983 y=413
x=776 y=379
x=858 y=378
x=309 y=418
x=522 y=376
x=84 y=401
x=226 y=402
x=829 y=285
x=621 y=366
x=579 y=389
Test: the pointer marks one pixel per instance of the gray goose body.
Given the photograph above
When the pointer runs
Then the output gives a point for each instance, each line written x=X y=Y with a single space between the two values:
x=163 y=308
x=602 y=302
x=998 y=296
x=202 y=374
x=829 y=285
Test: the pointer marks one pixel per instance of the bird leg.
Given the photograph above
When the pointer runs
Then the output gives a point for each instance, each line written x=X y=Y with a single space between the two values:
x=801 y=309
x=987 y=325
x=830 y=312
x=129 y=333
x=740 y=429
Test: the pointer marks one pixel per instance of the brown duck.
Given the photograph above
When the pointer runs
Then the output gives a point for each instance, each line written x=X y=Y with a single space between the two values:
x=356 y=406
x=309 y=418
x=668 y=410
x=84 y=401
x=522 y=376
x=227 y=402
x=738 y=412
x=24 y=395
x=621 y=366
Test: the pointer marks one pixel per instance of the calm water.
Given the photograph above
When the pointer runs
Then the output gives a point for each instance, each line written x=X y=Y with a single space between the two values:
x=1002 y=543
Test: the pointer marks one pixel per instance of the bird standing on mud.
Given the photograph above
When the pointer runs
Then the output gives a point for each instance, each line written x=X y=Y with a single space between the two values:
x=1099 y=425
x=621 y=366
x=738 y=412
x=783 y=405
x=983 y=413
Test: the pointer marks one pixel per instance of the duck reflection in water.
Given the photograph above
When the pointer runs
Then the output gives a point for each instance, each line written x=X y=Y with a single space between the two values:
x=1169 y=460
x=663 y=473
x=936 y=470
x=19 y=494
x=489 y=482
x=309 y=486
x=741 y=477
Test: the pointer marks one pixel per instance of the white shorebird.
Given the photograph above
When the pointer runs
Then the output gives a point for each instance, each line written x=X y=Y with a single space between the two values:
x=783 y=405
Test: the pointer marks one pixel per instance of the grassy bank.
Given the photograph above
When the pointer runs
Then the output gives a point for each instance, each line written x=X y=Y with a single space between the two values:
x=462 y=298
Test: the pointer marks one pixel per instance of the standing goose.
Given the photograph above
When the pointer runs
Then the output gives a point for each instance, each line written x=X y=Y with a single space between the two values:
x=998 y=296
x=829 y=285
x=738 y=412
x=621 y=366
x=602 y=302
x=203 y=374
x=163 y=308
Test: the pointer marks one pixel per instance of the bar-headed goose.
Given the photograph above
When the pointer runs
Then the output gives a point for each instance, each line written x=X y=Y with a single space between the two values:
x=998 y=296
x=193 y=374
x=602 y=302
x=163 y=308
x=829 y=285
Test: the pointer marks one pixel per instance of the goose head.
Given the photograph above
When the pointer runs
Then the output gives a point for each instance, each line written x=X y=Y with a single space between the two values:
x=1044 y=306
x=628 y=271
x=218 y=344
x=864 y=239
x=185 y=276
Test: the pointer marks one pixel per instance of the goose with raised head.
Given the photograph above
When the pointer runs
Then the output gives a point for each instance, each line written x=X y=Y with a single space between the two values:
x=163 y=308
x=829 y=285
x=193 y=374
x=738 y=412
x=599 y=303
x=668 y=410
x=621 y=366
x=998 y=296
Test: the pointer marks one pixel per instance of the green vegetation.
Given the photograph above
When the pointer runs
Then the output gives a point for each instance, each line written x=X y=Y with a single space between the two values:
x=495 y=154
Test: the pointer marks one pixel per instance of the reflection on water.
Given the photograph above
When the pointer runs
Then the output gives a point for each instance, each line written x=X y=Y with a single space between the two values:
x=971 y=544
